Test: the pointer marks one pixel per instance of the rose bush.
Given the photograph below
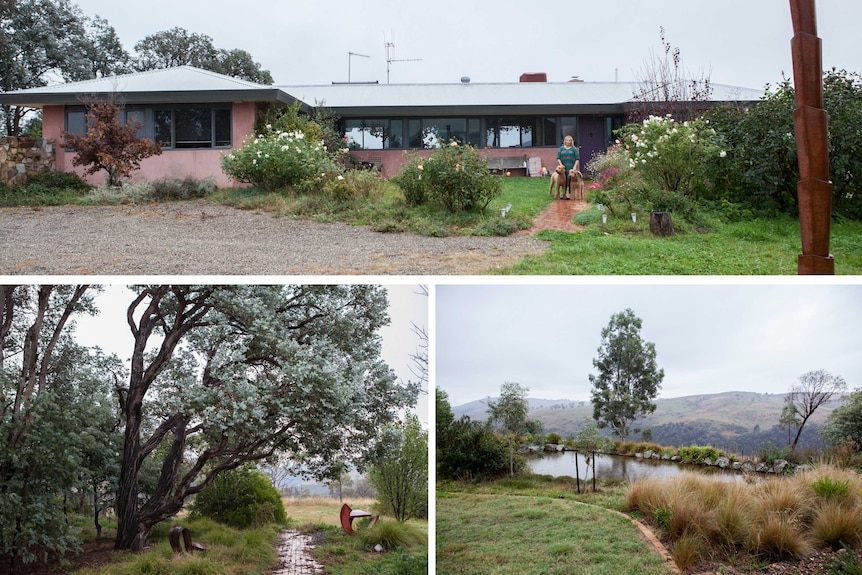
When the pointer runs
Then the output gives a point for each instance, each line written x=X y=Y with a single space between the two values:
x=278 y=159
x=672 y=156
x=455 y=178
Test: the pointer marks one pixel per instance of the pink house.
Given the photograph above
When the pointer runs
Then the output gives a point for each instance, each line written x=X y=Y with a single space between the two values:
x=194 y=114
x=197 y=115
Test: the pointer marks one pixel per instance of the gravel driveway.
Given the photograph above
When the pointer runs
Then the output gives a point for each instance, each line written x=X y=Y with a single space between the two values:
x=201 y=238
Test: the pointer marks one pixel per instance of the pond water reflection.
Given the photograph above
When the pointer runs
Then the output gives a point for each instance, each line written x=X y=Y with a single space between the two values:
x=618 y=467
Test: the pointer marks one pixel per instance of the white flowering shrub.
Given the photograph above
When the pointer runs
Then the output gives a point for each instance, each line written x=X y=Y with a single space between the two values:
x=277 y=160
x=673 y=156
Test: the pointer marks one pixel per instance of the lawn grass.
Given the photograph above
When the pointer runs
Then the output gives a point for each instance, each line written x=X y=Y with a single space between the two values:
x=525 y=535
x=757 y=247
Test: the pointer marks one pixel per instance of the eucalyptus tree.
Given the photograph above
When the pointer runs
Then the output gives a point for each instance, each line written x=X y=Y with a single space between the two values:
x=43 y=417
x=225 y=375
x=41 y=40
x=179 y=47
x=812 y=390
x=509 y=415
x=400 y=475
x=628 y=376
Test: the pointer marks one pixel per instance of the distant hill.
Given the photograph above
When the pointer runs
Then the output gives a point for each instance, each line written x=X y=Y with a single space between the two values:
x=741 y=421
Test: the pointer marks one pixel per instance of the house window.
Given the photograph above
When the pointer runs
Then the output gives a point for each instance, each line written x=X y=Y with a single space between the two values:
x=510 y=132
x=76 y=121
x=569 y=127
x=177 y=128
x=365 y=134
x=192 y=127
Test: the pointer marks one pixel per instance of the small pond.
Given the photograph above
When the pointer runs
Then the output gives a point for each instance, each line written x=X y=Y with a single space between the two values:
x=619 y=467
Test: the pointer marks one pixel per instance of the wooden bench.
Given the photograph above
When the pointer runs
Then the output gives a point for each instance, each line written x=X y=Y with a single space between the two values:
x=503 y=163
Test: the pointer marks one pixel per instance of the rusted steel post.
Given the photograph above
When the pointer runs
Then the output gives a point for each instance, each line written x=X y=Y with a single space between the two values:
x=809 y=120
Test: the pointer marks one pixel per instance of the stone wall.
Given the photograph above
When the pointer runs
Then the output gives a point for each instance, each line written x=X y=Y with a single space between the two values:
x=22 y=156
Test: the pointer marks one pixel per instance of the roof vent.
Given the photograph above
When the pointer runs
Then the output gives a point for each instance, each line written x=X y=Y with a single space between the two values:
x=465 y=79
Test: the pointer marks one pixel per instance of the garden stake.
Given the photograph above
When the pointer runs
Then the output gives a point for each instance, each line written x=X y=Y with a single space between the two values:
x=809 y=120
x=577 y=473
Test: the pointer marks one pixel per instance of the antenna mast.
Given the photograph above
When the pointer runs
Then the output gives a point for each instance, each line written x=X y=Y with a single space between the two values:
x=350 y=55
x=390 y=46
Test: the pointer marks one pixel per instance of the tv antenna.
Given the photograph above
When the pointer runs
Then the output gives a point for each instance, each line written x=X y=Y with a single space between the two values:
x=390 y=46
x=350 y=56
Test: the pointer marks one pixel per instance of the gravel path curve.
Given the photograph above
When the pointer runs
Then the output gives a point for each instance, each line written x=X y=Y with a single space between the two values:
x=202 y=238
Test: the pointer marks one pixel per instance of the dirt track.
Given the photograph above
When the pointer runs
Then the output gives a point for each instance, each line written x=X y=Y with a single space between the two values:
x=201 y=238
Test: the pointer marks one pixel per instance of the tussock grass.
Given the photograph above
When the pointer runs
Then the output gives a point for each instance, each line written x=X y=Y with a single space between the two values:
x=770 y=519
x=392 y=535
x=837 y=525
x=688 y=550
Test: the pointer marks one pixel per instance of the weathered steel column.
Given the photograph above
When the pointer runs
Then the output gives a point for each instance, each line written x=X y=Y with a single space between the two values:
x=814 y=189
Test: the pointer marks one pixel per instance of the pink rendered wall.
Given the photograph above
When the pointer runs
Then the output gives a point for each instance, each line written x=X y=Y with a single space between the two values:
x=390 y=161
x=180 y=164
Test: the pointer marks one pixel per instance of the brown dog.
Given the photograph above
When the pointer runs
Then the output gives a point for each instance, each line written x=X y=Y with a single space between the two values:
x=558 y=181
x=577 y=183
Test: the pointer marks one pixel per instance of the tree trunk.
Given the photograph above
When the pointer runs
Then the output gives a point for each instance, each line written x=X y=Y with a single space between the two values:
x=127 y=491
x=660 y=224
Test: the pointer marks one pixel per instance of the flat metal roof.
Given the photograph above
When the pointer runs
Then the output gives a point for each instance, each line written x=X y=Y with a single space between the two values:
x=512 y=98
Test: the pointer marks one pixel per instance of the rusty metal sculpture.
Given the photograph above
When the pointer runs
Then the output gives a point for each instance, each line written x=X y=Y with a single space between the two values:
x=348 y=515
x=814 y=189
x=174 y=538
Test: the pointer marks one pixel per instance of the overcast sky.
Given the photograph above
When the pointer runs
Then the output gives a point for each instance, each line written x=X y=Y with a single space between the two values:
x=407 y=306
x=708 y=338
x=738 y=42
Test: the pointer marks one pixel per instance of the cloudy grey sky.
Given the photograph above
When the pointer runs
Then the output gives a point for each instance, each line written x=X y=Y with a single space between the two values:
x=407 y=306
x=738 y=42
x=709 y=338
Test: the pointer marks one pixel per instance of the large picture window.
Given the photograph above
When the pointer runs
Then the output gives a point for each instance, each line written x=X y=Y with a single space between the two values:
x=481 y=132
x=181 y=127
x=184 y=128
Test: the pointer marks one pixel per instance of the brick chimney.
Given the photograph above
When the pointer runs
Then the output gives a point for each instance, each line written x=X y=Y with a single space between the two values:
x=534 y=77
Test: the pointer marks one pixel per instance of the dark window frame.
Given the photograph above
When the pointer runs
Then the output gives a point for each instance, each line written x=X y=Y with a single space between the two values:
x=220 y=128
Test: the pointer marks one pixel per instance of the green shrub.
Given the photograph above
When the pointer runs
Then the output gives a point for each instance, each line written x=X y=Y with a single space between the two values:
x=58 y=180
x=169 y=189
x=240 y=498
x=829 y=488
x=772 y=452
x=455 y=178
x=698 y=454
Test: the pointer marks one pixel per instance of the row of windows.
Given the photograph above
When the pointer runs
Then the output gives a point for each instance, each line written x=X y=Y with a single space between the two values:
x=179 y=127
x=429 y=133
